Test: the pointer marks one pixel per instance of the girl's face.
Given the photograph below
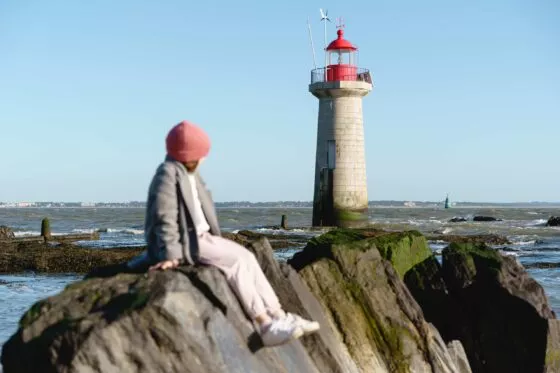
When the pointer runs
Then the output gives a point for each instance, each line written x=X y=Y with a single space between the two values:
x=193 y=166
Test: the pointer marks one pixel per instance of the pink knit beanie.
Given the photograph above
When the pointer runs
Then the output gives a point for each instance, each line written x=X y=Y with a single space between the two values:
x=187 y=142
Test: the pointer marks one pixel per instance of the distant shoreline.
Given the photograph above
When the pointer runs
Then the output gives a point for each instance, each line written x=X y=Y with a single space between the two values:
x=273 y=205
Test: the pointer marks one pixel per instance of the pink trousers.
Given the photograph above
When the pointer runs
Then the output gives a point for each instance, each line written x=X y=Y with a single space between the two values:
x=243 y=273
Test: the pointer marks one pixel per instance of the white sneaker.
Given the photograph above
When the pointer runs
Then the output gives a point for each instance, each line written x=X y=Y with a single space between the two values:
x=306 y=326
x=280 y=331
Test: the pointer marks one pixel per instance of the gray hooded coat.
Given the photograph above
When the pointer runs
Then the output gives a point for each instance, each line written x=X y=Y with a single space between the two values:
x=169 y=231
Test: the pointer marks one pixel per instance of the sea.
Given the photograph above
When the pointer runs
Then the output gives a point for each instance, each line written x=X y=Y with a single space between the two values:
x=532 y=242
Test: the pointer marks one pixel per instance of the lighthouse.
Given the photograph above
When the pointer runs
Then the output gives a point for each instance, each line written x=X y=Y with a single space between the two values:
x=340 y=196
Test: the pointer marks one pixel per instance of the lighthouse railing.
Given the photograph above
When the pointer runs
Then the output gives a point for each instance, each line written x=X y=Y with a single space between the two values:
x=322 y=75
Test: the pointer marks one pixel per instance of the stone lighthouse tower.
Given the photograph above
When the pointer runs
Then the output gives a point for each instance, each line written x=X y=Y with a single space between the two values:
x=340 y=196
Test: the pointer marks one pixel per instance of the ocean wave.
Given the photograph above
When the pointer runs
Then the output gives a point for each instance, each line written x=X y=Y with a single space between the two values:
x=538 y=223
x=26 y=233
x=282 y=231
x=130 y=231
x=523 y=240
x=447 y=230
x=83 y=231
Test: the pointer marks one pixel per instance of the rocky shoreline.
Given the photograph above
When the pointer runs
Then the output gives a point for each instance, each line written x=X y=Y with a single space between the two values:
x=63 y=256
x=66 y=257
x=385 y=304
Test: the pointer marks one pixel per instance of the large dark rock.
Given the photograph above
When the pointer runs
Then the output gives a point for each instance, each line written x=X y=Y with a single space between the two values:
x=176 y=321
x=485 y=218
x=6 y=232
x=368 y=305
x=489 y=303
x=554 y=221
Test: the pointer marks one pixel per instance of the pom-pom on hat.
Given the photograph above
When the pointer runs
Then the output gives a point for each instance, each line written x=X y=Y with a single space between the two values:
x=187 y=142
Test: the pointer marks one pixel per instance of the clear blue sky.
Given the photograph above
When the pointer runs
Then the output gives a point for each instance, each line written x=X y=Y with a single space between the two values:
x=467 y=96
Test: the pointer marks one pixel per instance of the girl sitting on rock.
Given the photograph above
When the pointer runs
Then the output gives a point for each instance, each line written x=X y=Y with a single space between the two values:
x=182 y=227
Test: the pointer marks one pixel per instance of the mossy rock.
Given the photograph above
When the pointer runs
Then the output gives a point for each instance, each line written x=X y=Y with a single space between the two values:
x=463 y=262
x=476 y=256
x=403 y=249
x=336 y=237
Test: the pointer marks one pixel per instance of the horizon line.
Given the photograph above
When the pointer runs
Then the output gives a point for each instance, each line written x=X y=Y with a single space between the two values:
x=276 y=201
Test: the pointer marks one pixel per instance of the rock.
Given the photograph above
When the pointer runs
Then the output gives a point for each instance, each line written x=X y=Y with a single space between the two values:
x=368 y=306
x=327 y=351
x=485 y=218
x=426 y=284
x=489 y=303
x=64 y=258
x=459 y=356
x=174 y=321
x=542 y=265
x=6 y=232
x=277 y=241
x=490 y=239
x=403 y=249
x=554 y=221
x=457 y=220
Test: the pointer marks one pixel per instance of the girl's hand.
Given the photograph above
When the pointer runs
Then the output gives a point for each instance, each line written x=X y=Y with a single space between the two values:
x=166 y=264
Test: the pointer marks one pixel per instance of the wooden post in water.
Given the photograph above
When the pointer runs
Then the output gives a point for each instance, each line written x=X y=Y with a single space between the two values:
x=284 y=222
x=46 y=229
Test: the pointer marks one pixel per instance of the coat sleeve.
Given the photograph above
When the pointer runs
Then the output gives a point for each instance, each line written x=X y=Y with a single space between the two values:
x=166 y=214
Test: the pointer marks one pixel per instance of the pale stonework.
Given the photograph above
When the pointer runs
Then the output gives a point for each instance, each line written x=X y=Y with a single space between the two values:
x=340 y=119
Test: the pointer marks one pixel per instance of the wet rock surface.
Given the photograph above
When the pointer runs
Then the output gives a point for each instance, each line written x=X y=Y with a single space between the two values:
x=367 y=303
x=488 y=302
x=490 y=239
x=554 y=221
x=485 y=218
x=6 y=232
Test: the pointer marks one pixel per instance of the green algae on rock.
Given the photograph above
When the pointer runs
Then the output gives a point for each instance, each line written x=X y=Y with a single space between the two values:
x=403 y=249
x=368 y=304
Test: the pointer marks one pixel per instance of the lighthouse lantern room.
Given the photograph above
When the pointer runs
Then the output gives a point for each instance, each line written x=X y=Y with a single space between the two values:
x=341 y=59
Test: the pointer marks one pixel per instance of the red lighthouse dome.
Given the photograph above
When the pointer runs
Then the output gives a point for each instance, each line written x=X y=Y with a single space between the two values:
x=341 y=43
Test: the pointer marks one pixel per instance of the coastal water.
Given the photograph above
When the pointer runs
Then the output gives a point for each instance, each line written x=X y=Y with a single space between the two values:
x=532 y=241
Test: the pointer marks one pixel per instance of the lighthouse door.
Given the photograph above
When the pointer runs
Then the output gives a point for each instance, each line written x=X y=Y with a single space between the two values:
x=331 y=154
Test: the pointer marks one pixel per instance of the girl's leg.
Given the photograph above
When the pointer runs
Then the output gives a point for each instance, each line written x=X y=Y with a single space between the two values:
x=243 y=273
x=247 y=279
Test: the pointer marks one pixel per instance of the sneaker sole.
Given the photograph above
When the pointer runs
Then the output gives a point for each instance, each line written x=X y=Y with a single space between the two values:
x=312 y=329
x=298 y=332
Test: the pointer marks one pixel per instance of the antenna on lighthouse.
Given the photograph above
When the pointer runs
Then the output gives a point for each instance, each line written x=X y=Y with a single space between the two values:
x=324 y=19
x=312 y=46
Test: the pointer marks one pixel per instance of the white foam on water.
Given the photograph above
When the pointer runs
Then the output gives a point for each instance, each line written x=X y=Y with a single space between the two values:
x=83 y=231
x=538 y=223
x=34 y=233
x=131 y=231
x=27 y=233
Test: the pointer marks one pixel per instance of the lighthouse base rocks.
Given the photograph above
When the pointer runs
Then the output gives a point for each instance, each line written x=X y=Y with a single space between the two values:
x=340 y=194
